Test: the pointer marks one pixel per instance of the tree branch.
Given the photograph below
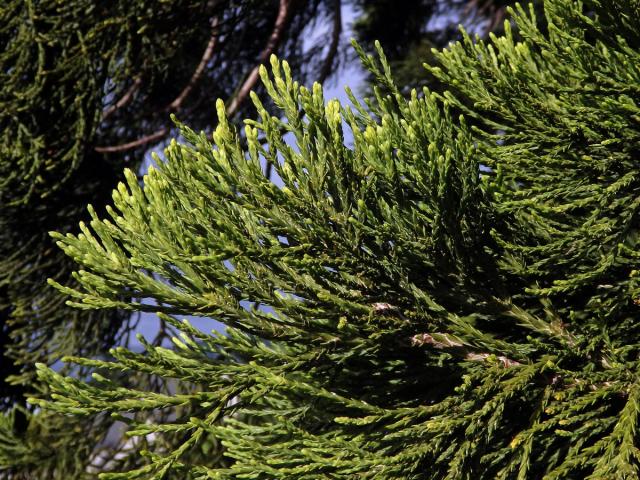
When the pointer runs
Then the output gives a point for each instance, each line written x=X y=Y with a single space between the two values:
x=442 y=341
x=272 y=43
x=335 y=41
x=274 y=40
x=206 y=56
x=126 y=98
x=174 y=106
x=157 y=135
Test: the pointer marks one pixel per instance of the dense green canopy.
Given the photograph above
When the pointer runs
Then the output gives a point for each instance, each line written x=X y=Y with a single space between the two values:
x=86 y=89
x=450 y=295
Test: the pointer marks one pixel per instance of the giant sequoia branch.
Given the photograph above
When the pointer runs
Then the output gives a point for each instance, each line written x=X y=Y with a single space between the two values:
x=174 y=106
x=335 y=41
x=442 y=341
x=274 y=40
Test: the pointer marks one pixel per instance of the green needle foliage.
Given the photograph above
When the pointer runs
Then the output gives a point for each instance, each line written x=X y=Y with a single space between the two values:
x=85 y=88
x=409 y=30
x=450 y=295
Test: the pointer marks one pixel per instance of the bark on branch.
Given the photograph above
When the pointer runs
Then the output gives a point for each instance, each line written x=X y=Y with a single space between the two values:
x=124 y=100
x=155 y=136
x=174 y=106
x=274 y=40
x=442 y=341
x=335 y=41
x=197 y=74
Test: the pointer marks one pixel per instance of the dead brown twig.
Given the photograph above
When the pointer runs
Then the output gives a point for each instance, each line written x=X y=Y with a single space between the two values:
x=335 y=41
x=174 y=106
x=442 y=341
x=272 y=43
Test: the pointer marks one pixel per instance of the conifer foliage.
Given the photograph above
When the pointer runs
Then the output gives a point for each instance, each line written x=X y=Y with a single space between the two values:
x=450 y=295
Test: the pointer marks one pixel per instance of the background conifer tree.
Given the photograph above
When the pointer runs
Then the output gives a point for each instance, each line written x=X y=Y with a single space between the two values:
x=451 y=294
x=85 y=90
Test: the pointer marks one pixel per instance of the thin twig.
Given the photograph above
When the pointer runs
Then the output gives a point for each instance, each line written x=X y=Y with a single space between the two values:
x=273 y=42
x=206 y=56
x=174 y=106
x=442 y=341
x=157 y=135
x=125 y=99
x=335 y=41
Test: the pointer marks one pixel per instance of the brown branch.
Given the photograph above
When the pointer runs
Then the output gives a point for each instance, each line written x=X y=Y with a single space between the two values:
x=206 y=56
x=272 y=43
x=126 y=98
x=274 y=40
x=488 y=9
x=157 y=135
x=174 y=106
x=335 y=41
x=497 y=16
x=442 y=341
